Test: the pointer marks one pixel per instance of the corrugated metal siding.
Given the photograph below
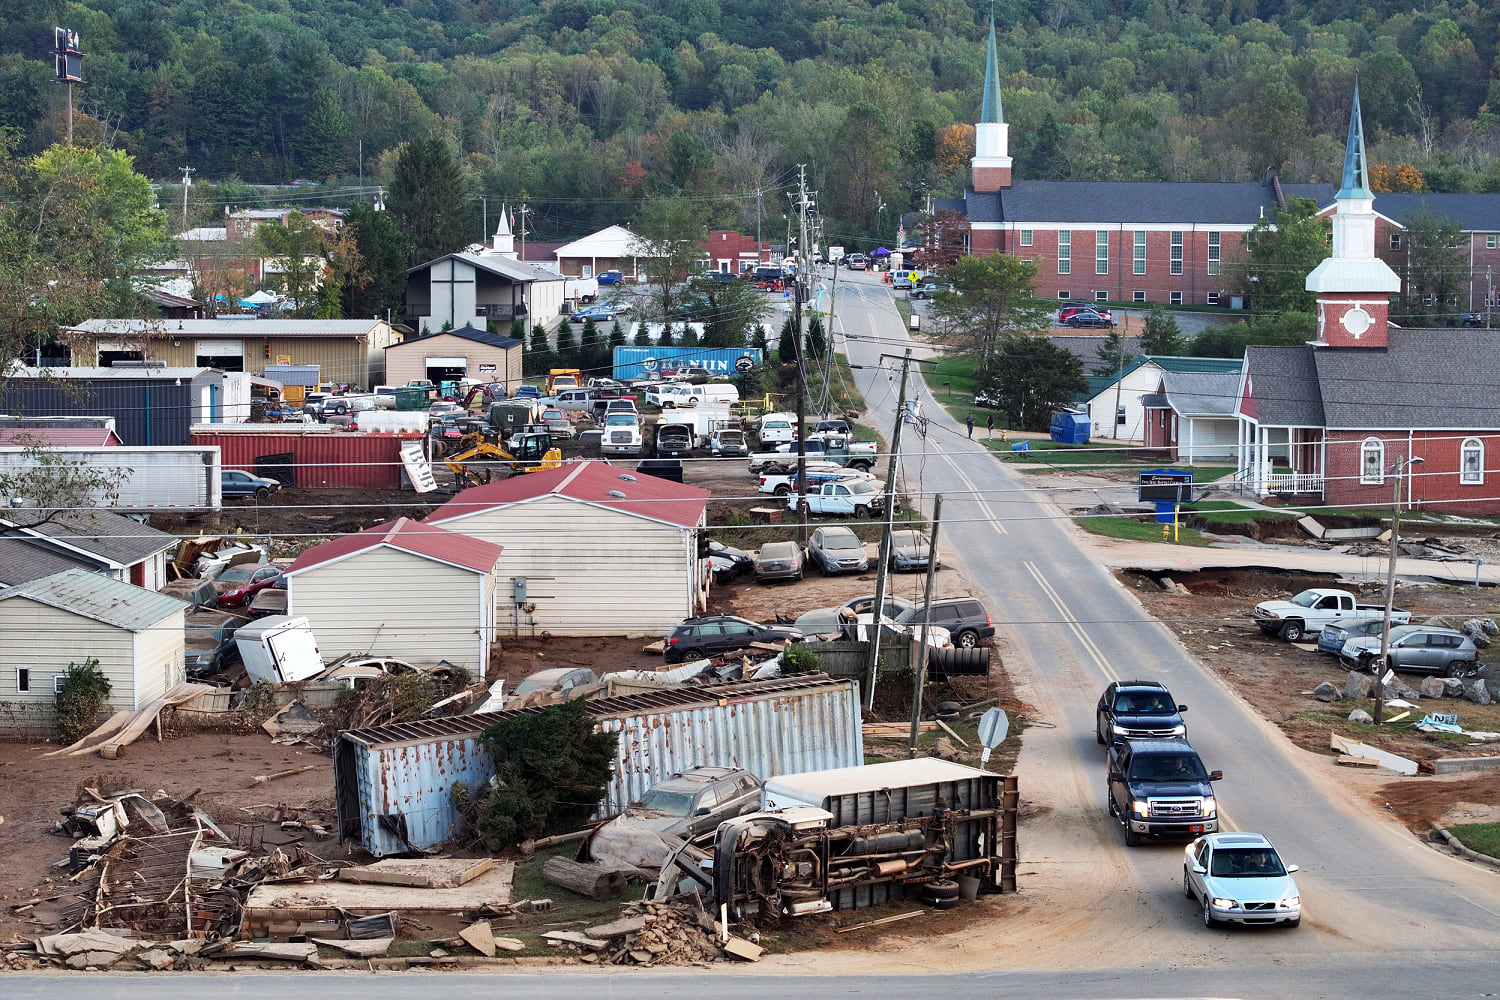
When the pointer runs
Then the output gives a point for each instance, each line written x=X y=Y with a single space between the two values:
x=771 y=727
x=334 y=460
x=363 y=604
x=589 y=570
x=145 y=412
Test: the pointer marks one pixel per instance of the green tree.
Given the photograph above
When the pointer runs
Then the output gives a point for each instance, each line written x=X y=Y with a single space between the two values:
x=1162 y=337
x=669 y=232
x=642 y=338
x=297 y=246
x=731 y=309
x=320 y=140
x=689 y=336
x=382 y=246
x=592 y=355
x=565 y=353
x=1276 y=329
x=1112 y=353
x=817 y=341
x=991 y=300
x=1031 y=377
x=1437 y=265
x=82 y=695
x=616 y=335
x=537 y=360
x=552 y=769
x=427 y=200
x=786 y=347
x=1277 y=255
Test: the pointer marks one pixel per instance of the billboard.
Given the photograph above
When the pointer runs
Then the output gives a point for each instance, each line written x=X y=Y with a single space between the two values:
x=644 y=362
x=69 y=56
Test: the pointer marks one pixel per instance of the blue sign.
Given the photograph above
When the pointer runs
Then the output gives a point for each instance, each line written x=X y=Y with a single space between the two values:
x=644 y=362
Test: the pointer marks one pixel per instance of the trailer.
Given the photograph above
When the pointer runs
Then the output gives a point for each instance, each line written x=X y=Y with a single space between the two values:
x=143 y=478
x=854 y=837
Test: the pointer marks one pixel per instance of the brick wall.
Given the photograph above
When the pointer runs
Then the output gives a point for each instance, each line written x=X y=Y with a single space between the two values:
x=1434 y=484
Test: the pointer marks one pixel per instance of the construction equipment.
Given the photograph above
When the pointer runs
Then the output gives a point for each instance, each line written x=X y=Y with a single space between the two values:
x=531 y=451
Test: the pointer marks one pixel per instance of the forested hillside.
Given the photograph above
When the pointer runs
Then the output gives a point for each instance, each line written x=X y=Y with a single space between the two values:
x=587 y=107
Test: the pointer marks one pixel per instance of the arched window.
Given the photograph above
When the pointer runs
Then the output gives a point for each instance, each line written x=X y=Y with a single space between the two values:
x=1471 y=461
x=1372 y=461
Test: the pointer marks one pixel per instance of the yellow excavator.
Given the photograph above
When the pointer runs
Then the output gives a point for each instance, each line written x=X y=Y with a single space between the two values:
x=528 y=451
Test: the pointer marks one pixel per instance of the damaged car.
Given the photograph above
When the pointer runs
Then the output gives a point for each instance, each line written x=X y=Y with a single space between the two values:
x=684 y=807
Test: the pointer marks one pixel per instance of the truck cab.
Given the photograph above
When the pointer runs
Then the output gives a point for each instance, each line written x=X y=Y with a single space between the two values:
x=1160 y=788
x=849 y=497
x=563 y=378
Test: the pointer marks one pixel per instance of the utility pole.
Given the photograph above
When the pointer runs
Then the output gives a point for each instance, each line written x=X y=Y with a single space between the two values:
x=878 y=611
x=187 y=182
x=484 y=218
x=799 y=293
x=1402 y=467
x=521 y=229
x=920 y=673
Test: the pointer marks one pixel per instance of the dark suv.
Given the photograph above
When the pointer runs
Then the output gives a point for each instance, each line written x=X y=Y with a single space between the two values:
x=715 y=634
x=1138 y=710
x=965 y=619
x=1159 y=788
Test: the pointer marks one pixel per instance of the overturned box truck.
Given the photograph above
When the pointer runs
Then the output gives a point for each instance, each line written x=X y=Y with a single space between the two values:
x=855 y=837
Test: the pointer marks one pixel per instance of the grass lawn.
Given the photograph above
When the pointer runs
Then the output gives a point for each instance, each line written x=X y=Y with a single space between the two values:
x=1227 y=512
x=1481 y=837
x=1139 y=531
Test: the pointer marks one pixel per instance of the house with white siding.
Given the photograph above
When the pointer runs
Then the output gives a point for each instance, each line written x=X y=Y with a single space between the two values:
x=590 y=549
x=136 y=635
x=99 y=541
x=404 y=589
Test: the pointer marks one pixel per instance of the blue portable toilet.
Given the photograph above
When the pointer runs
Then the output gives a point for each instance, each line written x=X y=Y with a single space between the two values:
x=1069 y=427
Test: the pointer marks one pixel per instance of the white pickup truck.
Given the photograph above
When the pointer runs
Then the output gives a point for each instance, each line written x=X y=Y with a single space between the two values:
x=1309 y=611
x=818 y=473
x=845 y=498
x=835 y=449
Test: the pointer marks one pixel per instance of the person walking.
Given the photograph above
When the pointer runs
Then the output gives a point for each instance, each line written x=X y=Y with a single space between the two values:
x=970 y=422
x=989 y=425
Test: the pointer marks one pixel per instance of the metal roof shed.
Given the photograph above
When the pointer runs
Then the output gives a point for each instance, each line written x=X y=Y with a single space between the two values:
x=393 y=784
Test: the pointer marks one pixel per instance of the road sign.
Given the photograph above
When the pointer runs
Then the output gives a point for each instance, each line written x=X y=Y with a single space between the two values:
x=1167 y=485
x=744 y=363
x=993 y=728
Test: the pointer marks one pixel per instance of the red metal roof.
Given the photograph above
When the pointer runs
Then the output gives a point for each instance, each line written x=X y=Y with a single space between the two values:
x=58 y=437
x=426 y=540
x=590 y=482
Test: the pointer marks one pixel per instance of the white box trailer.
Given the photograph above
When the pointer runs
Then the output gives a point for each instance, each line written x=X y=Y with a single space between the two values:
x=279 y=649
x=168 y=477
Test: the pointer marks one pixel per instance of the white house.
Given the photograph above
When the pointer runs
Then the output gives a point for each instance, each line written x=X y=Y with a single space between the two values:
x=590 y=549
x=1192 y=415
x=1116 y=404
x=405 y=589
x=613 y=248
x=98 y=541
x=135 y=634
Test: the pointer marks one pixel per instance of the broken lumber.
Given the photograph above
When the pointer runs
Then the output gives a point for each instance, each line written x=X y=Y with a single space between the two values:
x=419 y=873
x=593 y=881
x=949 y=730
x=880 y=920
x=480 y=937
x=367 y=948
x=654 y=648
x=261 y=779
x=1349 y=760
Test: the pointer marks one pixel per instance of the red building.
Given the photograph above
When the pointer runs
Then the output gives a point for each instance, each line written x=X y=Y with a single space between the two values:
x=731 y=252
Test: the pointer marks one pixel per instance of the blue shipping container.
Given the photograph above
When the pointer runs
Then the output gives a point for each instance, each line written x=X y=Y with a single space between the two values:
x=643 y=362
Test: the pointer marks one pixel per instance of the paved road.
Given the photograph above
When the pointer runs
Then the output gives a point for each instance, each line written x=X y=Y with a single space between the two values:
x=1369 y=888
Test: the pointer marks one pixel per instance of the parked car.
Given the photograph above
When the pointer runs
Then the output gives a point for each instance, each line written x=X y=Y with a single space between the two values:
x=237 y=483
x=825 y=621
x=528 y=392
x=965 y=618
x=238 y=585
x=599 y=312
x=928 y=290
x=778 y=561
x=727 y=441
x=1420 y=648
x=1138 y=710
x=208 y=643
x=1239 y=878
x=909 y=549
x=833 y=427
x=610 y=277
x=711 y=635
x=848 y=497
x=742 y=561
x=837 y=549
x=558 y=423
x=562 y=679
x=1088 y=319
x=856 y=262
x=1073 y=306
x=1331 y=640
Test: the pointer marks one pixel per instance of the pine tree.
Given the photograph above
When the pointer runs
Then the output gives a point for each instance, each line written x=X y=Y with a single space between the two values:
x=616 y=335
x=760 y=340
x=537 y=359
x=1112 y=354
x=383 y=246
x=786 y=349
x=1162 y=336
x=642 y=338
x=689 y=336
x=427 y=199
x=592 y=356
x=817 y=343
x=665 y=340
x=565 y=354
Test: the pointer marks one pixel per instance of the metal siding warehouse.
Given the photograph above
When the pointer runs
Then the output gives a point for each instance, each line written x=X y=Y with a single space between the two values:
x=393 y=784
x=146 y=411
x=320 y=459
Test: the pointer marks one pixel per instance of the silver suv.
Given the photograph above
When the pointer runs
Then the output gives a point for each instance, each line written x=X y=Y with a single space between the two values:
x=837 y=550
x=1420 y=648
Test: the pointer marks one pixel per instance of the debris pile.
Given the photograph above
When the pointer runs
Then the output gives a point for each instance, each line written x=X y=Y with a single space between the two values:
x=678 y=931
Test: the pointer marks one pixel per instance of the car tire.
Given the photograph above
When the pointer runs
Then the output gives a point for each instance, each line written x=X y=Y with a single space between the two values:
x=692 y=401
x=262 y=492
x=783 y=491
x=1187 y=885
x=968 y=639
x=1132 y=839
x=862 y=511
x=1208 y=913
x=1099 y=735
x=941 y=889
x=1459 y=668
x=1292 y=632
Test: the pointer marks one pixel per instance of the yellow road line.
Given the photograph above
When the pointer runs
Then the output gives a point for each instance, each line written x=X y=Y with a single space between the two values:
x=1094 y=652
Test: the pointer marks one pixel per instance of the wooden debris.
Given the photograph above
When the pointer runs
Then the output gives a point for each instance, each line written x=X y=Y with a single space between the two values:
x=743 y=950
x=654 y=648
x=575 y=938
x=947 y=729
x=365 y=948
x=1349 y=760
x=124 y=728
x=420 y=873
x=304 y=952
x=881 y=920
x=480 y=937
x=293 y=720
x=593 y=881
x=261 y=779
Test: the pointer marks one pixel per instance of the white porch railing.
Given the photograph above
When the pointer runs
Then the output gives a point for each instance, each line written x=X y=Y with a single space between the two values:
x=1295 y=482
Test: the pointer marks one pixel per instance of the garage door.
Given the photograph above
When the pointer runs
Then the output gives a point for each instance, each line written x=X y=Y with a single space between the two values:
x=446 y=370
x=227 y=355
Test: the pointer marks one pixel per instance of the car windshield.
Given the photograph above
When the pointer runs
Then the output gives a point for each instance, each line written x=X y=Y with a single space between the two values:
x=1167 y=767
x=778 y=550
x=861 y=486
x=1306 y=599
x=908 y=539
x=667 y=801
x=238 y=574
x=620 y=420
x=1143 y=703
x=553 y=415
x=1246 y=862
x=842 y=541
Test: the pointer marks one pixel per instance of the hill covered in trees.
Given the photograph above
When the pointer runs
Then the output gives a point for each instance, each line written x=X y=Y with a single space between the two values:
x=587 y=108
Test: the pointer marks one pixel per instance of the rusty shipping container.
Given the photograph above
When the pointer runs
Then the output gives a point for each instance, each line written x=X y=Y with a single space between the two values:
x=393 y=784
x=332 y=460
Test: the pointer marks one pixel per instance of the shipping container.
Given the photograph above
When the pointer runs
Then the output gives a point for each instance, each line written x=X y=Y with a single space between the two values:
x=185 y=478
x=393 y=784
x=643 y=362
x=316 y=458
x=150 y=406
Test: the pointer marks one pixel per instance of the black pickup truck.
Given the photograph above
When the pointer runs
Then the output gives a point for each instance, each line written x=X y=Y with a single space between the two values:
x=1159 y=788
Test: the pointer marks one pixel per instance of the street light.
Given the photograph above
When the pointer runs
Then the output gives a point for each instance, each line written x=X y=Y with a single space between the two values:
x=1390 y=587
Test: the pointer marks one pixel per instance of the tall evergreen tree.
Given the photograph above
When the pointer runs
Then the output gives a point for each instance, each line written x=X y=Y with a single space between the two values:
x=616 y=335
x=383 y=246
x=1113 y=357
x=565 y=354
x=817 y=342
x=591 y=351
x=642 y=338
x=427 y=199
x=786 y=348
x=537 y=358
x=1162 y=336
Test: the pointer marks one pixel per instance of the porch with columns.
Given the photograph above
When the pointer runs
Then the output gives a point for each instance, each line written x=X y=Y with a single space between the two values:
x=1301 y=452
